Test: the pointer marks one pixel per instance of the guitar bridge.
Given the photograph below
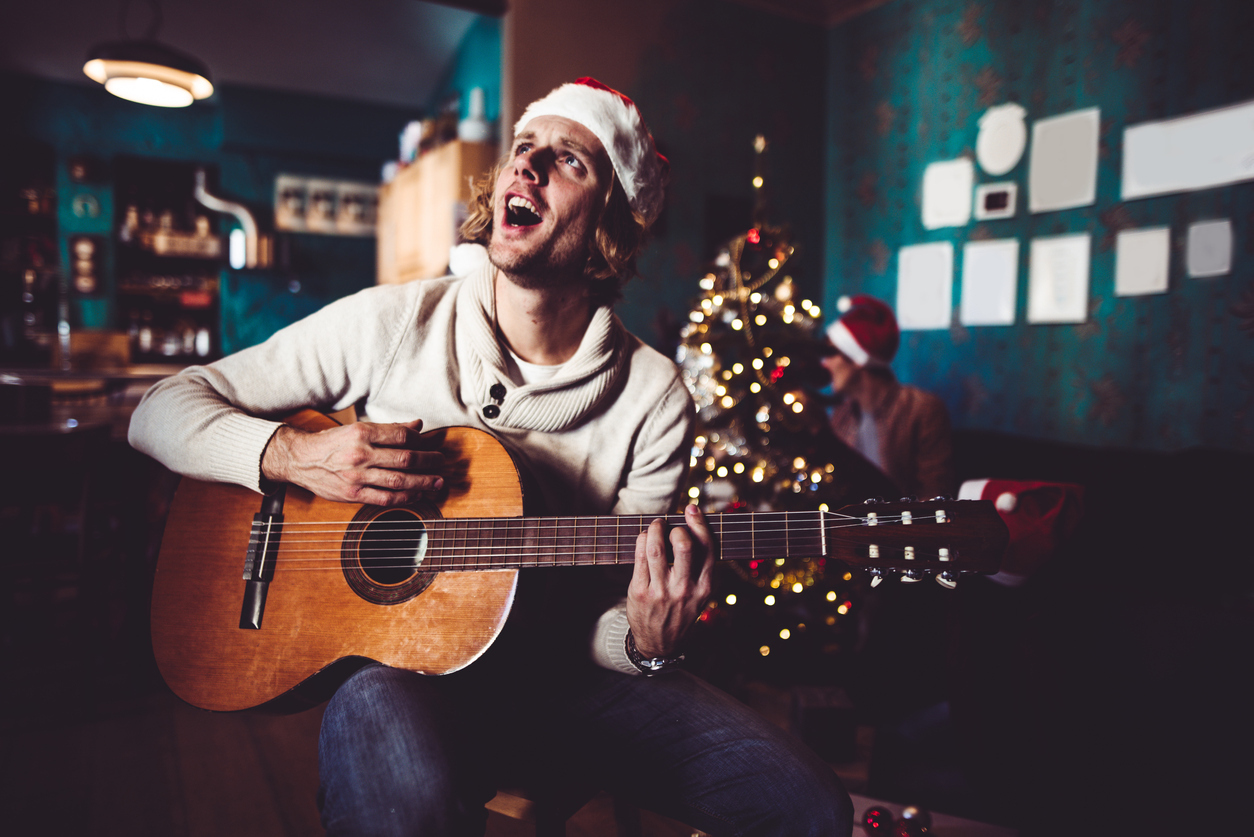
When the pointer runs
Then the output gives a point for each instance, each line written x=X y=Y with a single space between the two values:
x=263 y=549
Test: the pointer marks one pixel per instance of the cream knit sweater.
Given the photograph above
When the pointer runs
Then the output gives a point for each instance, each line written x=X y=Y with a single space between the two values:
x=609 y=434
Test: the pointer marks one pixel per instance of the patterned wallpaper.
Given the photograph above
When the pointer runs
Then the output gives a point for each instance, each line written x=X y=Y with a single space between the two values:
x=907 y=84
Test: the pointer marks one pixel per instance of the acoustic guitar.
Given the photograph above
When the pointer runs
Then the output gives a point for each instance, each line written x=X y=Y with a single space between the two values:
x=253 y=598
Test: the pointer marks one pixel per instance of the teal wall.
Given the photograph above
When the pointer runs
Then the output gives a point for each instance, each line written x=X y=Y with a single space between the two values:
x=250 y=135
x=477 y=63
x=907 y=83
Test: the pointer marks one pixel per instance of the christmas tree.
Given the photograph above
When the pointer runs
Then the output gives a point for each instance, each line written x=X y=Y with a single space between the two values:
x=751 y=356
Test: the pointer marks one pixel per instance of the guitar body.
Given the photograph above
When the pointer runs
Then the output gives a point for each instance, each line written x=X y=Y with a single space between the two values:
x=312 y=617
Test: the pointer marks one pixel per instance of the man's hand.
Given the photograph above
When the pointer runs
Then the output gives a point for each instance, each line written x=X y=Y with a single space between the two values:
x=379 y=464
x=665 y=598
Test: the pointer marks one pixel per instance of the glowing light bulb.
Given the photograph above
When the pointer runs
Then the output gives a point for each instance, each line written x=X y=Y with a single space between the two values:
x=737 y=324
x=798 y=587
x=731 y=598
x=765 y=650
x=831 y=595
x=757 y=184
x=694 y=492
x=769 y=601
x=798 y=407
x=785 y=633
x=755 y=387
x=760 y=319
x=738 y=368
x=843 y=609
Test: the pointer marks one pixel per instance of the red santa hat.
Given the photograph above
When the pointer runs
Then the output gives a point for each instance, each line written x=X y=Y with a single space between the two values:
x=867 y=332
x=1039 y=516
x=615 y=120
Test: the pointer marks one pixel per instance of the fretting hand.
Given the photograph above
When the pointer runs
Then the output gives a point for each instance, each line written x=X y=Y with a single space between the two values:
x=670 y=583
x=363 y=462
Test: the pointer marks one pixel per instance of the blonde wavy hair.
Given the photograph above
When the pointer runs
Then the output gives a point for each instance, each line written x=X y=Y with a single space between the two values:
x=619 y=236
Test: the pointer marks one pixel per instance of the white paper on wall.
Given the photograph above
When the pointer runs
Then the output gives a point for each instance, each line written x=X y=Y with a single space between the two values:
x=990 y=274
x=1142 y=261
x=925 y=279
x=1002 y=138
x=1058 y=279
x=1199 y=151
x=1062 y=166
x=1209 y=251
x=947 y=189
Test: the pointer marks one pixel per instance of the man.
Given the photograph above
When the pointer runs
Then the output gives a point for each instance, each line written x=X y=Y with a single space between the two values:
x=525 y=347
x=903 y=430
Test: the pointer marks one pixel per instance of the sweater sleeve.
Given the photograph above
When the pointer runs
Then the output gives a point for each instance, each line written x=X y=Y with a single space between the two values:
x=214 y=422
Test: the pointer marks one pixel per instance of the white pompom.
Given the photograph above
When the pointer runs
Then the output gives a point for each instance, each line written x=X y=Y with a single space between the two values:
x=1006 y=502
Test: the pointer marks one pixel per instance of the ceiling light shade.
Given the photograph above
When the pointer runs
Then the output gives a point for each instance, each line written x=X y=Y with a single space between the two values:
x=149 y=72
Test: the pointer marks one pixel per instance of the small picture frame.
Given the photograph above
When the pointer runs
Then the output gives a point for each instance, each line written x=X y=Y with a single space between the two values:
x=994 y=201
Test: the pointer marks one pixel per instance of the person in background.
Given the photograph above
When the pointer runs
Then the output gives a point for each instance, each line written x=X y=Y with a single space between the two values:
x=583 y=687
x=903 y=430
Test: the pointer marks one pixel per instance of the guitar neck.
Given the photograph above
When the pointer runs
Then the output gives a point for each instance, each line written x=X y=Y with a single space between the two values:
x=520 y=542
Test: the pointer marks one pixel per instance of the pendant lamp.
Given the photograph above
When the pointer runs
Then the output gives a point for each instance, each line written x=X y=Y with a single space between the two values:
x=146 y=71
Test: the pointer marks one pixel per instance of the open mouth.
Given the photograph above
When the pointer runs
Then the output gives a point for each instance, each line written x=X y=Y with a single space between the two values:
x=520 y=212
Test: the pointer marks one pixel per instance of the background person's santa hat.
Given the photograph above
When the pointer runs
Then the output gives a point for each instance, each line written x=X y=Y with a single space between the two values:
x=867 y=332
x=615 y=120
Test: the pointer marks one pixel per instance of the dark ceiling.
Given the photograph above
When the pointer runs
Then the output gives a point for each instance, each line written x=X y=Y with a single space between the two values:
x=387 y=51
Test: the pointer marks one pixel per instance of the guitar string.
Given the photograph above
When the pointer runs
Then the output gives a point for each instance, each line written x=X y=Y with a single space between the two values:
x=505 y=545
x=474 y=529
x=441 y=557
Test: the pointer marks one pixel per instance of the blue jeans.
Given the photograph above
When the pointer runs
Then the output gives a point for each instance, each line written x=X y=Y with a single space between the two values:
x=405 y=754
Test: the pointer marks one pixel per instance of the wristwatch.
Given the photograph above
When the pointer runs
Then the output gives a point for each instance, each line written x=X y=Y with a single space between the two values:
x=649 y=666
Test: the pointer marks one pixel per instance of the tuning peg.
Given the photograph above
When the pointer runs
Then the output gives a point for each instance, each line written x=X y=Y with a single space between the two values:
x=877 y=576
x=947 y=580
x=871 y=501
x=940 y=498
x=911 y=576
x=908 y=500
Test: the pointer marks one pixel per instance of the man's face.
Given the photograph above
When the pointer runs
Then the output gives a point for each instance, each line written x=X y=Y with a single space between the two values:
x=842 y=370
x=547 y=203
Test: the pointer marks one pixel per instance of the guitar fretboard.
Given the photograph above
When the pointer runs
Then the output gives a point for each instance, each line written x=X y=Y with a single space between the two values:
x=484 y=543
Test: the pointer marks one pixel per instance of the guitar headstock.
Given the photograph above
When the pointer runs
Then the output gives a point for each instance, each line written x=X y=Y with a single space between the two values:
x=940 y=537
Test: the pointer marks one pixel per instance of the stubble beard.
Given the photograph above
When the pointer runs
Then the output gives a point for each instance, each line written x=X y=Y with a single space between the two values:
x=554 y=264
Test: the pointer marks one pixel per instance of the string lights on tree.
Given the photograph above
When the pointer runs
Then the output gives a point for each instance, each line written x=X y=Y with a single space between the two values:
x=750 y=355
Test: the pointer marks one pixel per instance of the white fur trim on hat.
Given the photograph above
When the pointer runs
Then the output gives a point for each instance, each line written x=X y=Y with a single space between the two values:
x=615 y=121
x=843 y=339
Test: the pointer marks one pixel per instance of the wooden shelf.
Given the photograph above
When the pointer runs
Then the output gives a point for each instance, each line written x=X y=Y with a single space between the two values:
x=421 y=209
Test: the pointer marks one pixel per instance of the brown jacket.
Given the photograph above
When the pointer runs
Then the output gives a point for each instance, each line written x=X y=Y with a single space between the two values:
x=915 y=445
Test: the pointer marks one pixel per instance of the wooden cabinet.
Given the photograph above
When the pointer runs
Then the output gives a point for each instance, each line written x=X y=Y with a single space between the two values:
x=421 y=209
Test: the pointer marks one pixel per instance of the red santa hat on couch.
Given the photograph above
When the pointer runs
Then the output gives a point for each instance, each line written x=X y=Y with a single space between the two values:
x=867 y=332
x=615 y=120
x=1039 y=515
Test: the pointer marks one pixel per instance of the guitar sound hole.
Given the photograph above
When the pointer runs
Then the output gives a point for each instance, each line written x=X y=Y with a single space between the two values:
x=392 y=547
